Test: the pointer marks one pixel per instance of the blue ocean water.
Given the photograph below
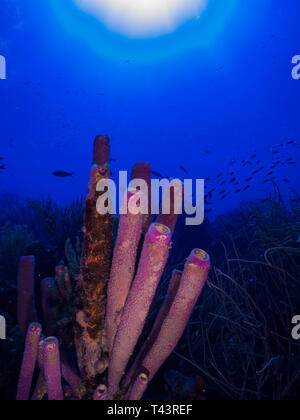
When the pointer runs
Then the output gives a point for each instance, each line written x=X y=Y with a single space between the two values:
x=215 y=96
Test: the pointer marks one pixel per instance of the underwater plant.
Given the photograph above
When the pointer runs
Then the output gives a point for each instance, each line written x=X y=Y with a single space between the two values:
x=239 y=338
x=94 y=321
x=57 y=224
x=14 y=242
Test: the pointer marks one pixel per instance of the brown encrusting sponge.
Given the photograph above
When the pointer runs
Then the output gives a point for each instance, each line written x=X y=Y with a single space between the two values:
x=96 y=258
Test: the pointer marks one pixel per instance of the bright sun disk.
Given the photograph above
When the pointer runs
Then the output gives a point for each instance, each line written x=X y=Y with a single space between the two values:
x=141 y=18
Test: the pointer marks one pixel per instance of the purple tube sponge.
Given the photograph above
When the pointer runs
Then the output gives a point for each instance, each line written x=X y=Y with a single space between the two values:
x=29 y=361
x=174 y=197
x=139 y=387
x=52 y=369
x=152 y=262
x=123 y=266
x=101 y=393
x=195 y=274
x=172 y=291
x=26 y=305
x=73 y=380
x=142 y=170
x=40 y=389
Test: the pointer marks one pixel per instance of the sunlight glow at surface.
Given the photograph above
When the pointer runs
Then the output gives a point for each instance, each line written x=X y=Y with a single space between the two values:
x=142 y=18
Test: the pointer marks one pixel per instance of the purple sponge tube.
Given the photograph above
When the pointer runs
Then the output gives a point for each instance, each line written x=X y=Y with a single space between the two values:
x=139 y=387
x=52 y=369
x=101 y=393
x=123 y=266
x=26 y=305
x=153 y=259
x=195 y=274
x=29 y=361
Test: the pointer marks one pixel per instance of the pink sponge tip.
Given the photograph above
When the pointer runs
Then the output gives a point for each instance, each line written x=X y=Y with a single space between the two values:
x=200 y=258
x=30 y=260
x=159 y=233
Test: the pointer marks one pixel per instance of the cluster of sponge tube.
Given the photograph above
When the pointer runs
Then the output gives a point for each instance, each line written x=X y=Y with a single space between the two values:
x=139 y=258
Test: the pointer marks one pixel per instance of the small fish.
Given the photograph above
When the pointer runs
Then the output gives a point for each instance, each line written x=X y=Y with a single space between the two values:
x=291 y=142
x=113 y=159
x=249 y=179
x=246 y=188
x=127 y=61
x=286 y=181
x=255 y=172
x=208 y=152
x=223 y=183
x=223 y=197
x=235 y=184
x=159 y=175
x=1 y=158
x=261 y=168
x=237 y=191
x=184 y=170
x=233 y=179
x=222 y=192
x=219 y=176
x=2 y=167
x=265 y=181
x=291 y=163
x=62 y=174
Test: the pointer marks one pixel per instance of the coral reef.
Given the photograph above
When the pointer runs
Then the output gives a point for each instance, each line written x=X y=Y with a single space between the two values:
x=14 y=242
x=56 y=224
x=238 y=340
x=99 y=313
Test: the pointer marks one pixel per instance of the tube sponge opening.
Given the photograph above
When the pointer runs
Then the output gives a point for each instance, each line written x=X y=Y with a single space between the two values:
x=159 y=233
x=199 y=258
